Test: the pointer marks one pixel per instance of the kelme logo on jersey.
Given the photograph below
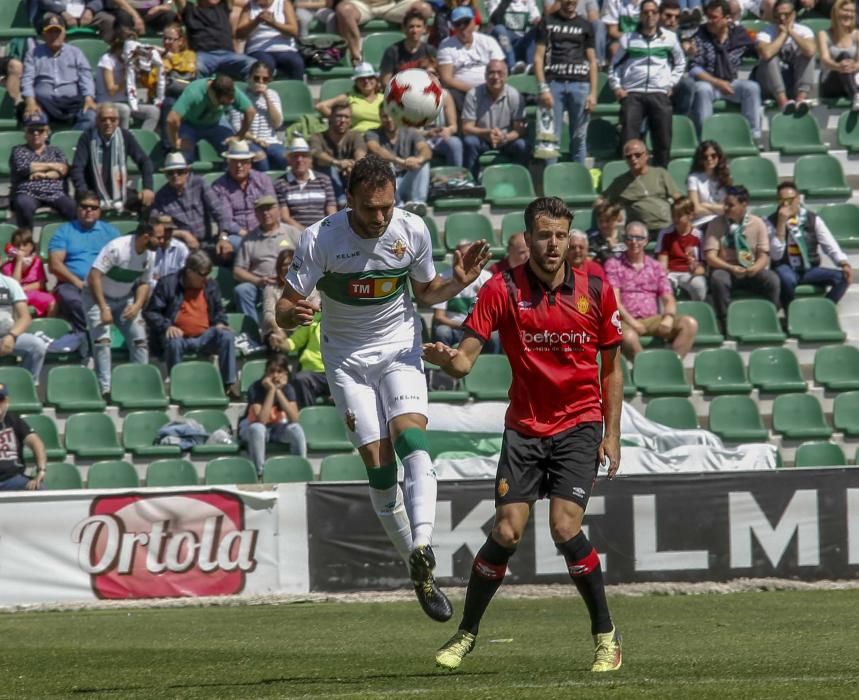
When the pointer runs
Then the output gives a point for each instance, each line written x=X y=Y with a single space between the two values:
x=373 y=288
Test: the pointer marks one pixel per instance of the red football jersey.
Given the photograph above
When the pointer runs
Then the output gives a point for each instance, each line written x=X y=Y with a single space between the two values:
x=551 y=339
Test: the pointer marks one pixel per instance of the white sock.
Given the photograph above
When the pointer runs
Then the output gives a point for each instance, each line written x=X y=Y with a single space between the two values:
x=421 y=493
x=388 y=504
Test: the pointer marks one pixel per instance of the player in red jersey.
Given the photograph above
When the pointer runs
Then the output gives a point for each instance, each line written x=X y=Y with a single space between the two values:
x=563 y=420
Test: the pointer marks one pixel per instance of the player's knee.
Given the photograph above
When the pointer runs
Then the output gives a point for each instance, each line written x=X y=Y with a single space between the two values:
x=409 y=441
x=565 y=530
x=506 y=534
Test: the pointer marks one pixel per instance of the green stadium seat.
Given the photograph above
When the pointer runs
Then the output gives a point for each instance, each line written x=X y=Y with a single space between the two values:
x=286 y=469
x=251 y=372
x=629 y=388
x=341 y=70
x=208 y=158
x=843 y=222
x=150 y=142
x=754 y=321
x=66 y=141
x=679 y=169
x=736 y=418
x=814 y=320
x=14 y=21
x=62 y=477
x=438 y=250
x=374 y=45
x=112 y=474
x=93 y=49
x=334 y=87
x=230 y=470
x=6 y=232
x=820 y=176
x=732 y=132
x=469 y=226
x=48 y=230
x=775 y=371
x=836 y=367
x=660 y=373
x=454 y=395
x=213 y=419
x=800 y=417
x=92 y=436
x=721 y=371
x=607 y=104
x=295 y=98
x=239 y=323
x=139 y=430
x=223 y=275
x=343 y=468
x=708 y=328
x=512 y=223
x=572 y=182
x=845 y=413
x=508 y=185
x=684 y=139
x=8 y=140
x=757 y=174
x=612 y=170
x=46 y=429
x=524 y=83
x=819 y=454
x=674 y=411
x=72 y=388
x=794 y=135
x=489 y=379
x=196 y=384
x=324 y=429
x=445 y=173
x=171 y=472
x=135 y=386
x=22 y=391
x=8 y=120
x=848 y=131
x=603 y=140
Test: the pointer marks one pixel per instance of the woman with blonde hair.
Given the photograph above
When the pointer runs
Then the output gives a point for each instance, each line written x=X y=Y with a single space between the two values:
x=839 y=55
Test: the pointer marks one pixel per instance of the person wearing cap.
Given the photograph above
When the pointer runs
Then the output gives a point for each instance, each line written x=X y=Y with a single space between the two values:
x=15 y=320
x=199 y=115
x=256 y=259
x=352 y=14
x=210 y=34
x=337 y=149
x=101 y=164
x=192 y=205
x=16 y=435
x=122 y=268
x=171 y=254
x=304 y=196
x=71 y=253
x=237 y=190
x=364 y=100
x=38 y=173
x=463 y=57
x=57 y=79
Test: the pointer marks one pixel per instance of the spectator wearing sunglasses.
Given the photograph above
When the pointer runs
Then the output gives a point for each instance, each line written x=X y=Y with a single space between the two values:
x=262 y=136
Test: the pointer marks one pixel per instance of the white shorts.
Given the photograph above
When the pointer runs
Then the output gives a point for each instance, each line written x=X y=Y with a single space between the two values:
x=374 y=386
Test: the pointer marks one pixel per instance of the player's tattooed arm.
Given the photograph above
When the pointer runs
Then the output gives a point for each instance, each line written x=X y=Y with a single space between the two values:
x=611 y=381
x=293 y=310
x=466 y=268
x=457 y=362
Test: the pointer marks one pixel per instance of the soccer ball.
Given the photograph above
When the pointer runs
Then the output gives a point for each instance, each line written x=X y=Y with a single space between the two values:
x=413 y=98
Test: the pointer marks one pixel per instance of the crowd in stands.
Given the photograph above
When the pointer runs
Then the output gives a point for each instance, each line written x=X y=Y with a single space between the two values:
x=200 y=74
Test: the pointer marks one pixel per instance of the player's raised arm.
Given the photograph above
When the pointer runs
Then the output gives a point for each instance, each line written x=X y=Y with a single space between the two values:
x=467 y=267
x=293 y=309
x=457 y=362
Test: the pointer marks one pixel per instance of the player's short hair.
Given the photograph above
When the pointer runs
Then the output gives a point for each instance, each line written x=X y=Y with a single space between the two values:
x=551 y=207
x=199 y=261
x=373 y=172
x=682 y=206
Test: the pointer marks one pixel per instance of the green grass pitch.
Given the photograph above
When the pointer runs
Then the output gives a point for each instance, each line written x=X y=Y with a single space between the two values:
x=744 y=645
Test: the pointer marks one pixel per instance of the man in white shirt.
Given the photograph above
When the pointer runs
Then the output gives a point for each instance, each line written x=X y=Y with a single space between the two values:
x=171 y=253
x=14 y=322
x=463 y=57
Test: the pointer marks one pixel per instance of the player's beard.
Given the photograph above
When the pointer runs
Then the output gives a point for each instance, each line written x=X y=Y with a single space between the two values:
x=548 y=265
x=368 y=230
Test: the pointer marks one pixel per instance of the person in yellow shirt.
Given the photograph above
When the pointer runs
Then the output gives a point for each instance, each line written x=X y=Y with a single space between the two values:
x=309 y=382
x=179 y=68
x=365 y=99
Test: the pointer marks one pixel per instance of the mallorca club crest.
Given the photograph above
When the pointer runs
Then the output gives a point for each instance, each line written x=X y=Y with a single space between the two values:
x=399 y=248
x=503 y=488
x=583 y=305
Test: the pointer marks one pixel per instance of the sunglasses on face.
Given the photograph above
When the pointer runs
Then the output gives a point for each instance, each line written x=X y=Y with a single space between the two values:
x=36 y=130
x=636 y=238
x=462 y=23
x=89 y=207
x=634 y=154
x=261 y=79
x=177 y=173
x=711 y=156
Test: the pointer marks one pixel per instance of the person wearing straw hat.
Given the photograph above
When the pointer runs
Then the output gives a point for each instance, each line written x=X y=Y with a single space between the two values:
x=238 y=189
x=304 y=196
x=364 y=100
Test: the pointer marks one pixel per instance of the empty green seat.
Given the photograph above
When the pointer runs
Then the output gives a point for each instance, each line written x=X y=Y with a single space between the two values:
x=295 y=99
x=93 y=49
x=171 y=472
x=820 y=176
x=251 y=372
x=736 y=418
x=335 y=86
x=800 y=417
x=62 y=476
x=230 y=470
x=508 y=185
x=757 y=174
x=843 y=222
x=73 y=388
x=46 y=429
x=848 y=131
x=213 y=419
x=629 y=388
x=674 y=411
x=150 y=144
x=819 y=454
x=814 y=320
x=438 y=249
x=754 y=321
x=286 y=469
x=92 y=436
x=22 y=391
x=54 y=328
x=112 y=474
x=603 y=140
x=836 y=367
x=845 y=413
x=134 y=386
x=343 y=468
x=512 y=223
x=611 y=171
x=8 y=141
x=776 y=371
x=324 y=428
x=571 y=182
x=607 y=104
x=374 y=45
x=794 y=135
x=721 y=371
x=708 y=328
x=732 y=132
x=469 y=226
x=139 y=430
x=66 y=141
x=660 y=373
x=197 y=384
x=679 y=169
x=489 y=379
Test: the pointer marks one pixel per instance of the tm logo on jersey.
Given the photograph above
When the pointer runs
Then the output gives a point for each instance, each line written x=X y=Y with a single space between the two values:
x=372 y=288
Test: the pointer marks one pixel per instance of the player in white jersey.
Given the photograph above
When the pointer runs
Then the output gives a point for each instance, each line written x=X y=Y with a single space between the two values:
x=361 y=260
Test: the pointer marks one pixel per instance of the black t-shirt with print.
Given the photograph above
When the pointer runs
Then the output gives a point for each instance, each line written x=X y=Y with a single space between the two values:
x=13 y=430
x=566 y=42
x=397 y=57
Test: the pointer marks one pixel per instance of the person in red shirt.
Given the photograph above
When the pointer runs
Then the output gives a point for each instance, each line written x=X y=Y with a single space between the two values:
x=563 y=420
x=678 y=249
x=579 y=255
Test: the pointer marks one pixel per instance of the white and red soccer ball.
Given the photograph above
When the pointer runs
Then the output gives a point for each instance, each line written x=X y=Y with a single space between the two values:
x=413 y=98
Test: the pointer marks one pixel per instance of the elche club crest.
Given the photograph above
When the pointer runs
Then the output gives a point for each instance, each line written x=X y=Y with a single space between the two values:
x=399 y=248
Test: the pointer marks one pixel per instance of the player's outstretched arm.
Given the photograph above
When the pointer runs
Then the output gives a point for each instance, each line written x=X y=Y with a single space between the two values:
x=457 y=362
x=611 y=381
x=466 y=269
x=293 y=309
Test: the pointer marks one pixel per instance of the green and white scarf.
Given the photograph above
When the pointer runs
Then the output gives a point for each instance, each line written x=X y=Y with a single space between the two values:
x=735 y=239
x=114 y=197
x=796 y=230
